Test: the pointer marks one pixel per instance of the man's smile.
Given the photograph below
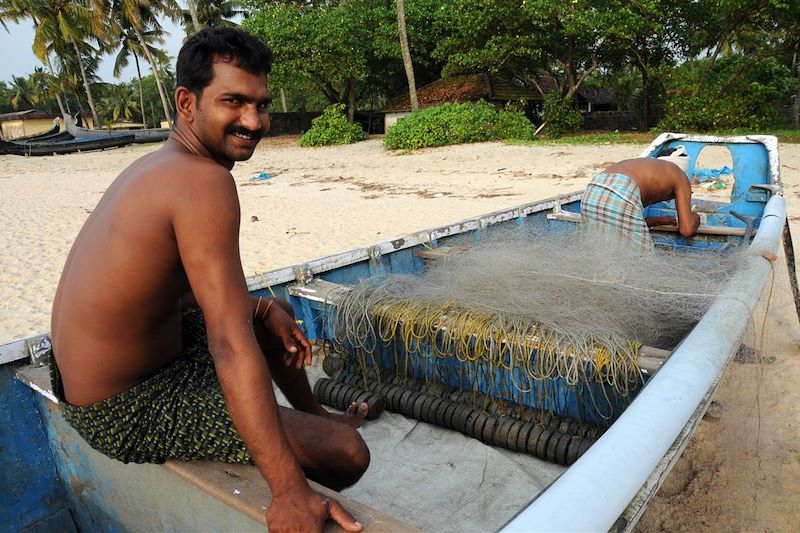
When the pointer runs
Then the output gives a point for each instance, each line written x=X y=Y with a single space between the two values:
x=245 y=135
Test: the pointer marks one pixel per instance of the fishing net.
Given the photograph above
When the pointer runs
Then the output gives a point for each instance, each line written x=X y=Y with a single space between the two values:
x=528 y=318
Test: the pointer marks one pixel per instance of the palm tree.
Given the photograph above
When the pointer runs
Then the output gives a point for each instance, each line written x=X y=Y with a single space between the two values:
x=128 y=43
x=120 y=104
x=60 y=21
x=41 y=84
x=401 y=28
x=193 y=15
x=212 y=13
x=21 y=93
x=8 y=13
x=142 y=16
x=15 y=11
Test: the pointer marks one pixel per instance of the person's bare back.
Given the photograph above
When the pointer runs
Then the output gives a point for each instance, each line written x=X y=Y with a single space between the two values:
x=110 y=286
x=659 y=181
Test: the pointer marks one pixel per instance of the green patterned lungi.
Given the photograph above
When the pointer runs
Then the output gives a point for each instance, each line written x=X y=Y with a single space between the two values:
x=612 y=204
x=179 y=413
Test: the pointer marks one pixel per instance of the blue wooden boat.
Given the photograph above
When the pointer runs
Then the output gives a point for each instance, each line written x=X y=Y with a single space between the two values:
x=52 y=480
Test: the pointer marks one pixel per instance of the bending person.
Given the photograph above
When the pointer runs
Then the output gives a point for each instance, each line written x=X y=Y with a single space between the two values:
x=159 y=352
x=614 y=201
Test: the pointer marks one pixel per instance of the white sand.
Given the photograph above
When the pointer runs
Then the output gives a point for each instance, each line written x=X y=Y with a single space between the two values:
x=742 y=469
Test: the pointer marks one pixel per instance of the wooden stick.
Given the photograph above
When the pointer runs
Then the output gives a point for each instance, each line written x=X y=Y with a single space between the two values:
x=707 y=230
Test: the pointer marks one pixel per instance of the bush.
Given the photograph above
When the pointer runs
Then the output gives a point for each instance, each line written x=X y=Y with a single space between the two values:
x=560 y=117
x=512 y=124
x=331 y=128
x=455 y=124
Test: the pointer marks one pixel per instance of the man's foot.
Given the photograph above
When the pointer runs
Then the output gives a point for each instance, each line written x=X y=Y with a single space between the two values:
x=353 y=416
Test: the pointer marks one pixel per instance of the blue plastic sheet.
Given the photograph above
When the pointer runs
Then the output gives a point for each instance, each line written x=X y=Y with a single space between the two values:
x=261 y=177
x=707 y=174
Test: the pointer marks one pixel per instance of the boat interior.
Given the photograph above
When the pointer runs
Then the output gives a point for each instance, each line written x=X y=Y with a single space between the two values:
x=437 y=464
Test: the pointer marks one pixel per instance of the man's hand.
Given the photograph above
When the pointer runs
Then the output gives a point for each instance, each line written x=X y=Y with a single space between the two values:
x=281 y=324
x=307 y=512
x=690 y=228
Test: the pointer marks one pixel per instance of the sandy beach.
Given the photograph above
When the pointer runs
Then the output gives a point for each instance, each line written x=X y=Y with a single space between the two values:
x=741 y=472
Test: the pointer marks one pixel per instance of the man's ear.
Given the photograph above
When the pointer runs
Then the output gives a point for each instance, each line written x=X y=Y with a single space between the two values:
x=185 y=104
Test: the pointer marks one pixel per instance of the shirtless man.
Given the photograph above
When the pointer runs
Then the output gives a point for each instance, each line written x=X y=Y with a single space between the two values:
x=614 y=201
x=130 y=360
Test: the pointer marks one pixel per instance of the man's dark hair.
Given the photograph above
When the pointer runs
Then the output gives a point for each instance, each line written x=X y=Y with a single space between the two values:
x=194 y=69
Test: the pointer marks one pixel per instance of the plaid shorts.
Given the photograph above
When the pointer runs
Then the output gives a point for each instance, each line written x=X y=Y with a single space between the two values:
x=612 y=204
x=178 y=413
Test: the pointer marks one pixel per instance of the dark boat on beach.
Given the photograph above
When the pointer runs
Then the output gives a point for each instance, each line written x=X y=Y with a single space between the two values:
x=148 y=135
x=63 y=146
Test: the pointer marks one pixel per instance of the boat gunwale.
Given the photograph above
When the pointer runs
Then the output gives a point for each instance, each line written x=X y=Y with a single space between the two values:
x=333 y=261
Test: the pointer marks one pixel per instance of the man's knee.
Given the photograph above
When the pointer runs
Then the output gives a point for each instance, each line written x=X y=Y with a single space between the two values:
x=354 y=456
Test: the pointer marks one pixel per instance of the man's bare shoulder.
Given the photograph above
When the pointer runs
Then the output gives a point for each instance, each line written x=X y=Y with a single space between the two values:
x=180 y=163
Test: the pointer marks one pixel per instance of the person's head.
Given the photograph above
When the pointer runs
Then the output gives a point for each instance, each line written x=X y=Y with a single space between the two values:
x=194 y=68
x=222 y=94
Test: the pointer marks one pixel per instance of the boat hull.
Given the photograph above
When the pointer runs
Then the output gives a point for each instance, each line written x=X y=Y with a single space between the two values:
x=611 y=483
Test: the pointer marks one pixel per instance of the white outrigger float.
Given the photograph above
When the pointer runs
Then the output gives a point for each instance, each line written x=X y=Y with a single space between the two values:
x=54 y=480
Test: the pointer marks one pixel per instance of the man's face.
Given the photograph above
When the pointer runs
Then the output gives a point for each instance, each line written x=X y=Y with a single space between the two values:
x=232 y=112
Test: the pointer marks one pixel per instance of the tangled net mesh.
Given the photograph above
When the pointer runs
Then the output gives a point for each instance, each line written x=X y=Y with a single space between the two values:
x=525 y=313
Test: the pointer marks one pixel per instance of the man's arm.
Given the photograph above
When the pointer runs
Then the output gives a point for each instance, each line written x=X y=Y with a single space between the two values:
x=660 y=221
x=688 y=222
x=210 y=256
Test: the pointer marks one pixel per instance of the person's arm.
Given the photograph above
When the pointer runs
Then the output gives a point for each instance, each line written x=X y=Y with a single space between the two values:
x=210 y=256
x=688 y=222
x=188 y=300
x=273 y=313
x=661 y=221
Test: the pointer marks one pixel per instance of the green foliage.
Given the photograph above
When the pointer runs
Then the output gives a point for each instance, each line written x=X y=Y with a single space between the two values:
x=512 y=124
x=336 y=47
x=152 y=101
x=120 y=103
x=456 y=124
x=645 y=137
x=560 y=116
x=737 y=93
x=5 y=98
x=332 y=127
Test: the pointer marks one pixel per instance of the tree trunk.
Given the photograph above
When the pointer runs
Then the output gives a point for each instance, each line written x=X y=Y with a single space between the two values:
x=796 y=105
x=52 y=73
x=351 y=100
x=154 y=69
x=644 y=121
x=141 y=90
x=284 y=107
x=58 y=95
x=81 y=110
x=193 y=13
x=407 y=64
x=89 y=97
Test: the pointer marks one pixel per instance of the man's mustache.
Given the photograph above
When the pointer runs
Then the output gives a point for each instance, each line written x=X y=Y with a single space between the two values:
x=244 y=131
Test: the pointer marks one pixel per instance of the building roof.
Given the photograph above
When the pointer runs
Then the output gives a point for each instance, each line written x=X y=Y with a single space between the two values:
x=28 y=114
x=459 y=89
